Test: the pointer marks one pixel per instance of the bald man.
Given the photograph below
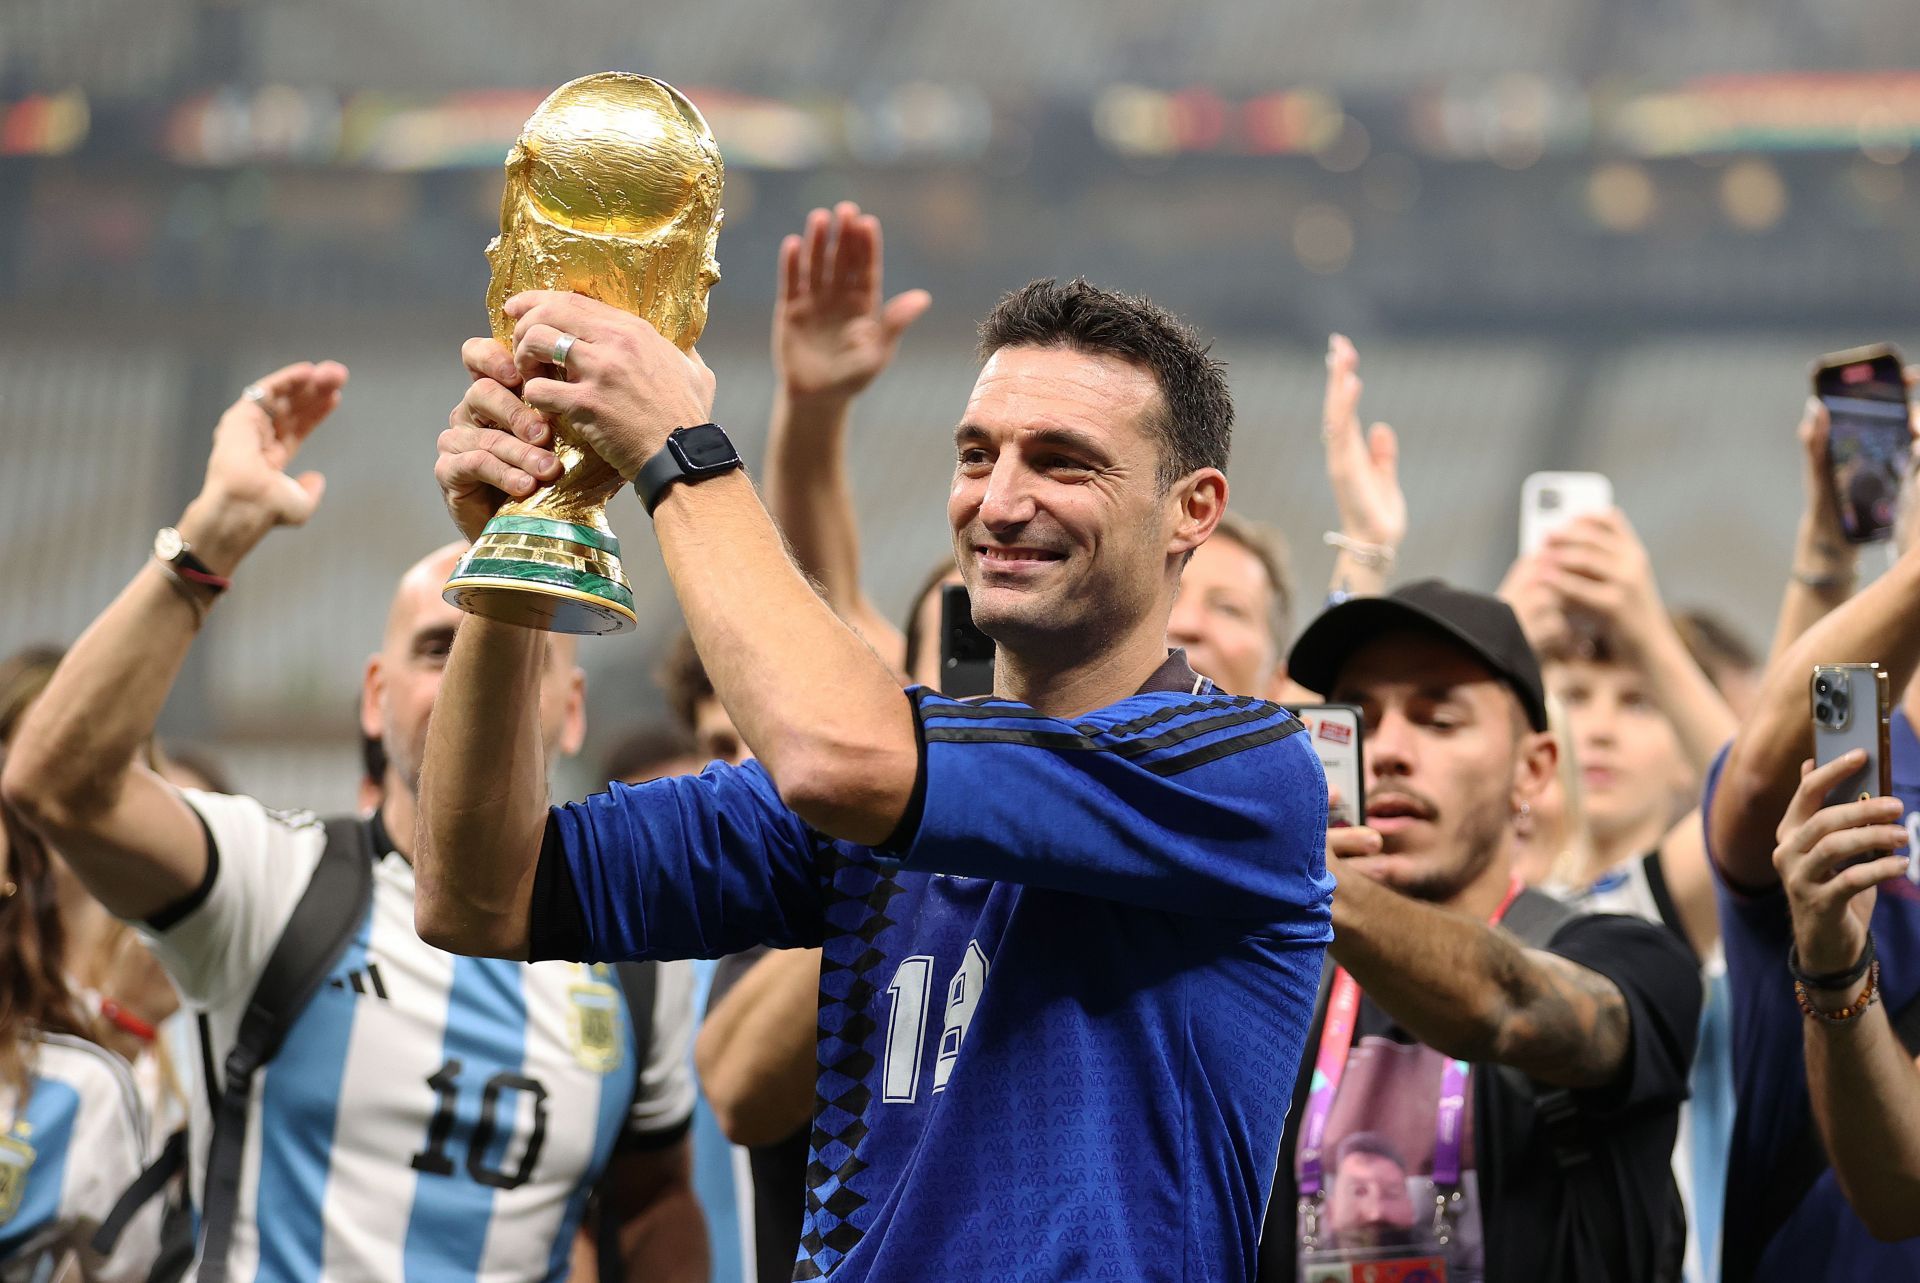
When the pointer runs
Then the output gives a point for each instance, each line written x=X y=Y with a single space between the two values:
x=428 y=1116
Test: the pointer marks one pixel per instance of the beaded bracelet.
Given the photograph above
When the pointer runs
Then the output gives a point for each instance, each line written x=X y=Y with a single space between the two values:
x=1852 y=1010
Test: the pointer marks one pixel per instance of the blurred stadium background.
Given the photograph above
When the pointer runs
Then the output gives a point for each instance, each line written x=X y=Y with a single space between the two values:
x=1602 y=234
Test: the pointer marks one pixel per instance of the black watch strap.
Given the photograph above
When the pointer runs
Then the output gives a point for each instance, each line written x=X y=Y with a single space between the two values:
x=690 y=454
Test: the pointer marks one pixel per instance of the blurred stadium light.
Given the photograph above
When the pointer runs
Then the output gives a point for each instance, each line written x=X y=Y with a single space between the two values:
x=1603 y=233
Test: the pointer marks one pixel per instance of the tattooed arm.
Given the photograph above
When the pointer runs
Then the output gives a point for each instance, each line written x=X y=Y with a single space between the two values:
x=1474 y=992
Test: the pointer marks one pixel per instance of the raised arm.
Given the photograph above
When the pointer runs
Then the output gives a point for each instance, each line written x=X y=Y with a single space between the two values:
x=822 y=713
x=1470 y=990
x=834 y=331
x=483 y=781
x=1881 y=624
x=1363 y=467
x=1864 y=1086
x=73 y=771
x=1825 y=566
x=1597 y=566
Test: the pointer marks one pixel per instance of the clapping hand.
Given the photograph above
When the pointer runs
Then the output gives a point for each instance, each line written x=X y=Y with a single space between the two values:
x=832 y=331
x=1363 y=467
x=258 y=438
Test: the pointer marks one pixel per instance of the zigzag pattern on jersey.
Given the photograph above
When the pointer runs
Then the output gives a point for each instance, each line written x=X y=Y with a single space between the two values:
x=1175 y=735
x=854 y=898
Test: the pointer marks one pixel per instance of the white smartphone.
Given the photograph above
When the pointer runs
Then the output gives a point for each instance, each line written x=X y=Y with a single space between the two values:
x=1334 y=730
x=1549 y=500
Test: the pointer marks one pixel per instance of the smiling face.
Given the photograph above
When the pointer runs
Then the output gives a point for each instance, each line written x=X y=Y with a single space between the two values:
x=1449 y=761
x=1061 y=529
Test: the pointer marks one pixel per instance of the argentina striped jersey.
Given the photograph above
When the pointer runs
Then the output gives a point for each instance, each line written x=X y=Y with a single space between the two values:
x=429 y=1116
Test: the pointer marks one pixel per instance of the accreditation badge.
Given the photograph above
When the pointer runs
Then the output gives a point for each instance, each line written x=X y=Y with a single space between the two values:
x=594 y=1020
x=1350 y=1267
x=16 y=1160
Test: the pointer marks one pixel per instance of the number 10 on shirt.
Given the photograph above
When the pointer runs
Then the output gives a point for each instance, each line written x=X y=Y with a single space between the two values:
x=907 y=1022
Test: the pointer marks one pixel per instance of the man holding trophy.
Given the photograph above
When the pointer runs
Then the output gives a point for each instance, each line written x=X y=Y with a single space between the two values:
x=1071 y=933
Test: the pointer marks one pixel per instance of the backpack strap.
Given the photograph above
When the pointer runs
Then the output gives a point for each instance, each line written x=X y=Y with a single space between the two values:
x=172 y=1161
x=323 y=923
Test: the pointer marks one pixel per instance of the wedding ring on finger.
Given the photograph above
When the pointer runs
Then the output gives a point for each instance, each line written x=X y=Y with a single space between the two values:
x=257 y=395
x=561 y=347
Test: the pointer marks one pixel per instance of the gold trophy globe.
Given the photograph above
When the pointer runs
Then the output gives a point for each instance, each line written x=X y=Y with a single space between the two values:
x=613 y=191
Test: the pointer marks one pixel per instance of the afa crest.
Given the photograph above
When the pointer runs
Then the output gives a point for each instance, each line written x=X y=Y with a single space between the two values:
x=594 y=1022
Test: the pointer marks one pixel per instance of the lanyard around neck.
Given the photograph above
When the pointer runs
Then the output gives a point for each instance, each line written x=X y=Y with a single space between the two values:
x=1330 y=1066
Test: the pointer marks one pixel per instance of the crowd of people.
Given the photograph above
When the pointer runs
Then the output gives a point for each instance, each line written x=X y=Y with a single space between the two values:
x=1607 y=984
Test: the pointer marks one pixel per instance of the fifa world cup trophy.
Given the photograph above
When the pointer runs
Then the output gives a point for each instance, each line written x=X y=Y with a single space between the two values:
x=613 y=191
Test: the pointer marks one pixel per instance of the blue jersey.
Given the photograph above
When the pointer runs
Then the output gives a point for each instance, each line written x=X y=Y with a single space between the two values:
x=1060 y=1015
x=1821 y=1239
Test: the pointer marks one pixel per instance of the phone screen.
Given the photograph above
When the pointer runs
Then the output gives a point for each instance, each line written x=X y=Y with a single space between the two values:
x=1870 y=443
x=1336 y=733
x=966 y=653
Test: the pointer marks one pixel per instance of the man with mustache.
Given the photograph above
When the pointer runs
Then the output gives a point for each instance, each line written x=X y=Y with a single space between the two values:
x=1548 y=1078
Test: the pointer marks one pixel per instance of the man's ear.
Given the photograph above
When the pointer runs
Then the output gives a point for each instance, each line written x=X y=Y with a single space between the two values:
x=1534 y=769
x=373 y=688
x=1200 y=498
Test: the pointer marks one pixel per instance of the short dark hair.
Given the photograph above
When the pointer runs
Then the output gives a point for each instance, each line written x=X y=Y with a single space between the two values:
x=1195 y=425
x=1367 y=1143
x=682 y=678
x=1580 y=640
x=644 y=751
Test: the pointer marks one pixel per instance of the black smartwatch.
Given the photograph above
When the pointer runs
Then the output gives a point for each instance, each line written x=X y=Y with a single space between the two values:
x=690 y=454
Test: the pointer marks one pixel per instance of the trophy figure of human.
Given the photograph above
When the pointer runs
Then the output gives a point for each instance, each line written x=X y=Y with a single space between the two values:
x=613 y=191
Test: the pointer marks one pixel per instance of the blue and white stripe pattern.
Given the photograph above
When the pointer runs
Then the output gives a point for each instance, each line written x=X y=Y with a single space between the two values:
x=429 y=1117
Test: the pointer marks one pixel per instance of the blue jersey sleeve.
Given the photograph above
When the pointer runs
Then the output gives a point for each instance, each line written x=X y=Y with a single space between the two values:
x=1210 y=805
x=696 y=866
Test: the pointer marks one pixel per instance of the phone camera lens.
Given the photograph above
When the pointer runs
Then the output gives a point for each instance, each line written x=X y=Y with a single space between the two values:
x=1821 y=686
x=1549 y=500
x=1823 y=712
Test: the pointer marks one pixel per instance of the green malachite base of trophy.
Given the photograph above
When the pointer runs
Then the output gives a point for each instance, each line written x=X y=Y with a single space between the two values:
x=536 y=572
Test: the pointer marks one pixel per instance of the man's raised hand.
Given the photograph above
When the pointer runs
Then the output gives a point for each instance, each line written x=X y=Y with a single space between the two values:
x=1831 y=859
x=832 y=331
x=1363 y=467
x=257 y=440
x=626 y=387
x=496 y=446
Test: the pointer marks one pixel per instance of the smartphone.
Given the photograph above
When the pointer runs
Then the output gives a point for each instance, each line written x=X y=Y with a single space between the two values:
x=1334 y=732
x=966 y=653
x=1870 y=443
x=1549 y=500
x=1851 y=707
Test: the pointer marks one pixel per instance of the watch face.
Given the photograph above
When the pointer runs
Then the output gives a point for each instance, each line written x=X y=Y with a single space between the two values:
x=705 y=448
x=168 y=544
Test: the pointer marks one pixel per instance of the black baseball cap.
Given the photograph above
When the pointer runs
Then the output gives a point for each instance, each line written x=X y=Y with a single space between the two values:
x=1483 y=625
